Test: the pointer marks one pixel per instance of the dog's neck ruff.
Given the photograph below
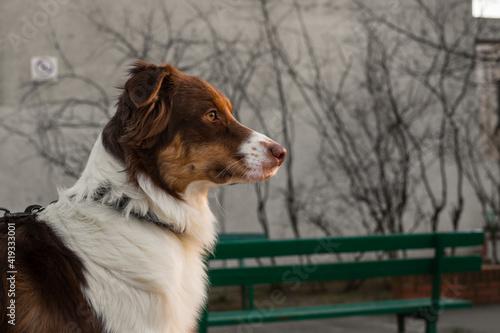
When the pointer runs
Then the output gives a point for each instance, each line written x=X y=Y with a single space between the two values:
x=121 y=204
x=104 y=180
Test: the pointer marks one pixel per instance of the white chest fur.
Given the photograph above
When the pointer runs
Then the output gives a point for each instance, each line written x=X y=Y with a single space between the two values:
x=141 y=277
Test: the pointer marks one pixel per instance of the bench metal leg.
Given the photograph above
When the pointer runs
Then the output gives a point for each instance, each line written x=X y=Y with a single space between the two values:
x=202 y=324
x=401 y=323
x=247 y=297
x=243 y=293
x=430 y=327
x=250 y=296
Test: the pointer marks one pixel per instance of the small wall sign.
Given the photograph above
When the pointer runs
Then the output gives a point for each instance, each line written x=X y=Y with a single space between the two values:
x=43 y=68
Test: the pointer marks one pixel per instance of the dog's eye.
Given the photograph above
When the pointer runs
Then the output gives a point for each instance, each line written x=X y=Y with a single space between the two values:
x=211 y=115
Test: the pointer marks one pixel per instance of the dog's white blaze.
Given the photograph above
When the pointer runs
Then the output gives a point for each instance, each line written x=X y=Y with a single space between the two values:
x=255 y=149
x=141 y=278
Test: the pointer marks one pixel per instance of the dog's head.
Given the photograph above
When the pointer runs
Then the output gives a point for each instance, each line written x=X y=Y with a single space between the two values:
x=178 y=129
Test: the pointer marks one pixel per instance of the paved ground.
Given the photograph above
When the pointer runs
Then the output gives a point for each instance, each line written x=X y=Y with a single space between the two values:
x=479 y=319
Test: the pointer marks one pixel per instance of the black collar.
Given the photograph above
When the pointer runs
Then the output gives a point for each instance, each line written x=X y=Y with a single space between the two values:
x=122 y=203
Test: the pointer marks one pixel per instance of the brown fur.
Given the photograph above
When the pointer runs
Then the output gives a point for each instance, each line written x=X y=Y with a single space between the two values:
x=49 y=278
x=164 y=132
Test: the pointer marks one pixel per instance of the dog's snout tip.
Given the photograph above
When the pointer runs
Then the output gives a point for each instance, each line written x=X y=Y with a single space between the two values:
x=279 y=152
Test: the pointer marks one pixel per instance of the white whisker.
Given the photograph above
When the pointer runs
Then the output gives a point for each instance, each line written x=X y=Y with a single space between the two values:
x=227 y=168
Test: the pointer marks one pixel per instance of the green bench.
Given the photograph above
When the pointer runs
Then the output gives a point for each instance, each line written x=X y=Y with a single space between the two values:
x=246 y=291
x=427 y=309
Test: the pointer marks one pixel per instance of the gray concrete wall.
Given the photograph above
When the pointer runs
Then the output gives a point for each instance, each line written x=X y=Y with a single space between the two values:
x=28 y=29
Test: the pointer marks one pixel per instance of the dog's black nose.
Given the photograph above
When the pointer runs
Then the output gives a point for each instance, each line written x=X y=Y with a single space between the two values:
x=279 y=152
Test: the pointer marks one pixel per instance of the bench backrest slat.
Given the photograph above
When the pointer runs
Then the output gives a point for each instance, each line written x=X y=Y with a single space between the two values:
x=265 y=248
x=339 y=271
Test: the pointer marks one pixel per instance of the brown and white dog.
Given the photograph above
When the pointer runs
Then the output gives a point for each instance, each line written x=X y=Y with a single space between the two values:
x=123 y=249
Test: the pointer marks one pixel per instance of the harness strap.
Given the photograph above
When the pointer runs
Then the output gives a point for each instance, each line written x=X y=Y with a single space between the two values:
x=98 y=196
x=30 y=210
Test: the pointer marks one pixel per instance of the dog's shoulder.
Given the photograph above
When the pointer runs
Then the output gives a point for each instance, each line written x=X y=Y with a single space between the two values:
x=41 y=281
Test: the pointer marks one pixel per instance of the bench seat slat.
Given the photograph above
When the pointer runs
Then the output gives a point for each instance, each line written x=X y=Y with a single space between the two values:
x=338 y=271
x=331 y=311
x=265 y=248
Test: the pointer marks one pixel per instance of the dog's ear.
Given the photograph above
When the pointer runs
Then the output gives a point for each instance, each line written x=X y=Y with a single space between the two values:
x=144 y=111
x=145 y=82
